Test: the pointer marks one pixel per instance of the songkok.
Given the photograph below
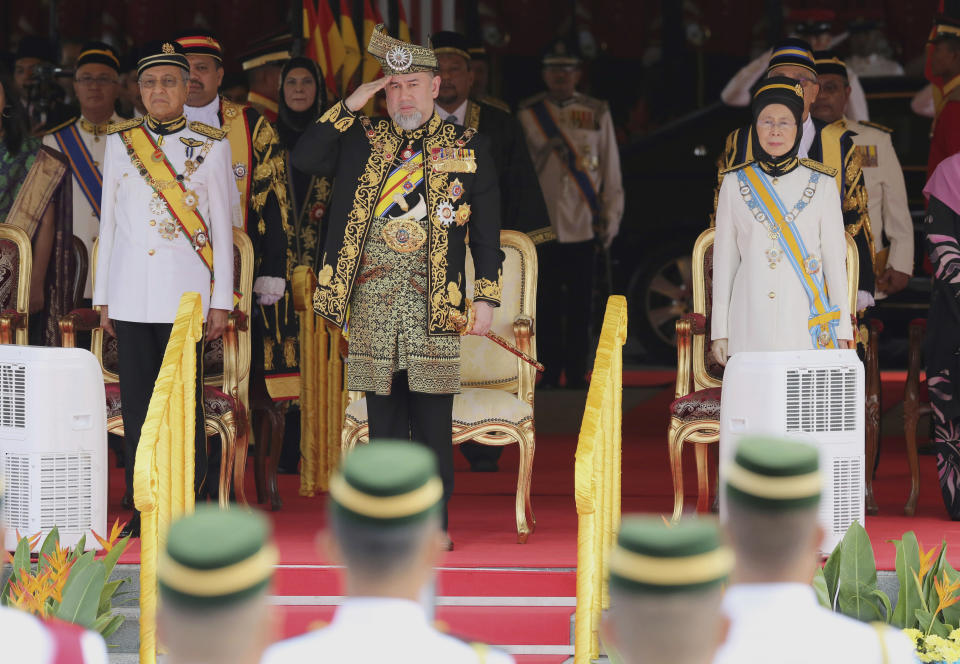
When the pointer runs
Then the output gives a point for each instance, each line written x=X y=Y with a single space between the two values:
x=447 y=41
x=387 y=483
x=794 y=52
x=216 y=557
x=945 y=27
x=774 y=474
x=561 y=53
x=98 y=53
x=828 y=62
x=36 y=47
x=652 y=556
x=399 y=57
x=200 y=42
x=158 y=53
x=477 y=50
x=272 y=50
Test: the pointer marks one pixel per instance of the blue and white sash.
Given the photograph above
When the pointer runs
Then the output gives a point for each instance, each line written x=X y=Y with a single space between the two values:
x=81 y=162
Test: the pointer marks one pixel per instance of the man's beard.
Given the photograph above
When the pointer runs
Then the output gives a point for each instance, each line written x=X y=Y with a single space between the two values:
x=409 y=121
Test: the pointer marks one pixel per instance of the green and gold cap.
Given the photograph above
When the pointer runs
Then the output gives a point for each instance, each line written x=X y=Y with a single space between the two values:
x=216 y=557
x=399 y=57
x=388 y=482
x=653 y=556
x=773 y=473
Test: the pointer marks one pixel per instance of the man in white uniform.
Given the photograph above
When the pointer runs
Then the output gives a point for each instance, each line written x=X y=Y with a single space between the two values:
x=886 y=190
x=773 y=490
x=165 y=230
x=666 y=584
x=384 y=515
x=83 y=140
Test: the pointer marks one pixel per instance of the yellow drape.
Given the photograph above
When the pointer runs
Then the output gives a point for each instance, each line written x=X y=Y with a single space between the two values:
x=597 y=480
x=164 y=470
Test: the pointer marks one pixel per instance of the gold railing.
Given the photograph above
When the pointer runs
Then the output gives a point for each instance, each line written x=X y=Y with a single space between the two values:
x=322 y=388
x=597 y=480
x=164 y=471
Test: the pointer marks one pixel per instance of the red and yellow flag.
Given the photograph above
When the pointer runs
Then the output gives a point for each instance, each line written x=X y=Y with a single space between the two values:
x=325 y=45
x=403 y=27
x=371 y=68
x=352 y=59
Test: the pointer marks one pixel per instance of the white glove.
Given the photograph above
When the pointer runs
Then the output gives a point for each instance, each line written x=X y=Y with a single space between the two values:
x=719 y=350
x=269 y=290
x=864 y=300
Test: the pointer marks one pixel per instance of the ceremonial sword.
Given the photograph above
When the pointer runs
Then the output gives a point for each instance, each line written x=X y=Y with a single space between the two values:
x=464 y=321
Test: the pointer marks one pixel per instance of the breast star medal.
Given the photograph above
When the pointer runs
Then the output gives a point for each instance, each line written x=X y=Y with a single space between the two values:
x=463 y=214
x=445 y=213
x=190 y=199
x=455 y=190
x=157 y=205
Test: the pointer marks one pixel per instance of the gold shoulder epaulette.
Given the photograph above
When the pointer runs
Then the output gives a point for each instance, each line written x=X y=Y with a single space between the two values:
x=61 y=126
x=207 y=130
x=736 y=167
x=815 y=165
x=496 y=103
x=599 y=106
x=124 y=125
x=530 y=101
x=877 y=125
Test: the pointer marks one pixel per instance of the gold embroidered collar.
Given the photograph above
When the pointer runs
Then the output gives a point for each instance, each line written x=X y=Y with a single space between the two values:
x=165 y=128
x=95 y=129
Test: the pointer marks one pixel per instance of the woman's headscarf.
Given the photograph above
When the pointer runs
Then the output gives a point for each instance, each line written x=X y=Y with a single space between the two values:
x=291 y=124
x=777 y=90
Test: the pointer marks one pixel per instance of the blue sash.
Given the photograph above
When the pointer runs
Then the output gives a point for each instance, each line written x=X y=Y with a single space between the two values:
x=551 y=130
x=768 y=208
x=81 y=161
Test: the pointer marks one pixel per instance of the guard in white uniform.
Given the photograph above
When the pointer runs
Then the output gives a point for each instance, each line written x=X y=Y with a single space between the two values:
x=384 y=517
x=165 y=230
x=773 y=492
x=83 y=140
x=666 y=584
x=779 y=274
x=882 y=174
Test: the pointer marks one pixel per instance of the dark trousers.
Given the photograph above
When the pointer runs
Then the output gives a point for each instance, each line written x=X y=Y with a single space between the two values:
x=563 y=308
x=140 y=348
x=424 y=418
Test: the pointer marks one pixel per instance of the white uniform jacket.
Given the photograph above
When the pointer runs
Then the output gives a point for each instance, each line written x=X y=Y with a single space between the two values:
x=145 y=263
x=372 y=630
x=86 y=222
x=759 y=308
x=24 y=639
x=587 y=128
x=886 y=194
x=783 y=623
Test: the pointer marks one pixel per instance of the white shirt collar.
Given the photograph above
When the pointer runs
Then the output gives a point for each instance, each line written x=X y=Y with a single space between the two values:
x=744 y=597
x=460 y=114
x=397 y=612
x=806 y=140
x=207 y=114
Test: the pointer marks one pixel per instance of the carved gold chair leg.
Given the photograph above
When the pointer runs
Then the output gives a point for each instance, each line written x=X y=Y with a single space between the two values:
x=911 y=412
x=675 y=445
x=872 y=420
x=226 y=429
x=703 y=478
x=238 y=456
x=526 y=442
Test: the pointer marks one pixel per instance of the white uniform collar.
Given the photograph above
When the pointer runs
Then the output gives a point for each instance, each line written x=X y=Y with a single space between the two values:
x=402 y=613
x=207 y=114
x=460 y=114
x=745 y=597
x=806 y=140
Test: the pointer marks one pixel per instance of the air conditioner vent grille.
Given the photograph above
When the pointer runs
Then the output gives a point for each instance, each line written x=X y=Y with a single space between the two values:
x=822 y=399
x=66 y=491
x=13 y=395
x=847 y=492
x=16 y=501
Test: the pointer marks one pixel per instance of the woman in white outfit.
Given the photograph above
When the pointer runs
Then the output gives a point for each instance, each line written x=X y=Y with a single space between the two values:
x=779 y=274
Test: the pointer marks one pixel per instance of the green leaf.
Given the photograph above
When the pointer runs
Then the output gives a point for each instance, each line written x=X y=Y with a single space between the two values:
x=106 y=595
x=21 y=561
x=831 y=574
x=78 y=549
x=48 y=547
x=112 y=626
x=81 y=595
x=885 y=603
x=908 y=597
x=940 y=629
x=951 y=614
x=858 y=576
x=110 y=560
x=820 y=587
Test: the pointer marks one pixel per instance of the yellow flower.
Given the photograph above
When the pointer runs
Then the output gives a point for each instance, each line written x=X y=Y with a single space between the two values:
x=946 y=592
x=109 y=543
x=915 y=635
x=954 y=635
x=926 y=560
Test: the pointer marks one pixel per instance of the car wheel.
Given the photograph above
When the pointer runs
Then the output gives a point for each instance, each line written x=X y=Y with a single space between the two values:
x=661 y=291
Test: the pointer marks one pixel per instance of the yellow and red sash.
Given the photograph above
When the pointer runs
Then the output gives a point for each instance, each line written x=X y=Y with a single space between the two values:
x=159 y=168
x=402 y=180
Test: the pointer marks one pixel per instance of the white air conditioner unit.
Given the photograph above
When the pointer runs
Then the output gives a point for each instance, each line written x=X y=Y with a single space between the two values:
x=816 y=396
x=53 y=443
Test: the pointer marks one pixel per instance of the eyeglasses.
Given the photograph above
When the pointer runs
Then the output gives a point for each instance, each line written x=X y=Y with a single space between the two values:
x=166 y=82
x=90 y=81
x=770 y=125
x=807 y=82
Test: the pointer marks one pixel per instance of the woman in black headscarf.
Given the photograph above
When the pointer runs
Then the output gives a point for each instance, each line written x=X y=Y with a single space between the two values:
x=779 y=275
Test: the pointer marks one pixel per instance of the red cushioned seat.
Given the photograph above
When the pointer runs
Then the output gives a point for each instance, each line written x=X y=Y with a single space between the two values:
x=700 y=405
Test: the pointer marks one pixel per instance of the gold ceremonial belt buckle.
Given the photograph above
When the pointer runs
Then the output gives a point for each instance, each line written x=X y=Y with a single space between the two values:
x=404 y=235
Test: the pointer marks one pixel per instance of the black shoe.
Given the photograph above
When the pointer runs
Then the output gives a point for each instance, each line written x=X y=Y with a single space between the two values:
x=484 y=466
x=132 y=529
x=127 y=501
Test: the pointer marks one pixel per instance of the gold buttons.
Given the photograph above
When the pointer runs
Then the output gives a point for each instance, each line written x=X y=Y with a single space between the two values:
x=152 y=252
x=771 y=295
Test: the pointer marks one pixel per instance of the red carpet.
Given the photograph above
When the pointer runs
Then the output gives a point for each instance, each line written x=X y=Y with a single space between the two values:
x=488 y=563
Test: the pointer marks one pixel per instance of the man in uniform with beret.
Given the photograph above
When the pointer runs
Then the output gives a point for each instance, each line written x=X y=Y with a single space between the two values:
x=521 y=202
x=410 y=187
x=773 y=490
x=165 y=230
x=666 y=584
x=830 y=144
x=214 y=578
x=83 y=139
x=886 y=190
x=260 y=199
x=384 y=516
x=574 y=150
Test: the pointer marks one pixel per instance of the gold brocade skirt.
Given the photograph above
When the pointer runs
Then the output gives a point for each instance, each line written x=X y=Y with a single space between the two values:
x=388 y=323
